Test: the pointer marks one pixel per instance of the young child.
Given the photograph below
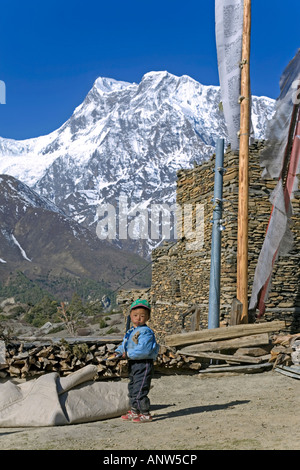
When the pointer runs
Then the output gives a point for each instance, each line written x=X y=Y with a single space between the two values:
x=139 y=346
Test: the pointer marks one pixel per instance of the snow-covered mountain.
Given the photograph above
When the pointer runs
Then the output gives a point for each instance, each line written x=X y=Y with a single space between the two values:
x=125 y=139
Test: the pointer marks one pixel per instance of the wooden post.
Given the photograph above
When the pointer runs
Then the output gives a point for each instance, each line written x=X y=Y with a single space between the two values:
x=242 y=242
x=236 y=312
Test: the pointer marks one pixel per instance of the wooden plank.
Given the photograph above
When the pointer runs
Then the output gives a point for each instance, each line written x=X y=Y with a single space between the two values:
x=236 y=312
x=254 y=352
x=213 y=334
x=250 y=368
x=295 y=369
x=228 y=357
x=195 y=320
x=235 y=343
x=289 y=371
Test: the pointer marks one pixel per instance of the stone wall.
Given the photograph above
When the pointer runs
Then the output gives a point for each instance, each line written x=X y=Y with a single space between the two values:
x=180 y=277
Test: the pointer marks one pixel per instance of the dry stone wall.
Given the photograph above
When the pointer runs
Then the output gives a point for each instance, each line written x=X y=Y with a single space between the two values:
x=180 y=277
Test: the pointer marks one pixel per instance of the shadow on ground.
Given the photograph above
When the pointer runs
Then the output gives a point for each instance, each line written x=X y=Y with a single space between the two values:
x=195 y=409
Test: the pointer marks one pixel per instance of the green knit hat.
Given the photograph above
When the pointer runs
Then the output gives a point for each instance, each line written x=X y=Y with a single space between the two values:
x=141 y=303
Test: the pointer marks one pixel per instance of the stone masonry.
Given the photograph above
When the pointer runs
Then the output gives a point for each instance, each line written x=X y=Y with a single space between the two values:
x=180 y=277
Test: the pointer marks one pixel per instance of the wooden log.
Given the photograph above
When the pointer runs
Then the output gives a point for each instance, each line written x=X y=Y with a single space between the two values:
x=63 y=354
x=223 y=333
x=246 y=369
x=65 y=366
x=14 y=371
x=229 y=357
x=195 y=366
x=25 y=369
x=245 y=341
x=44 y=352
x=293 y=371
x=195 y=320
x=31 y=361
x=254 y=352
x=243 y=196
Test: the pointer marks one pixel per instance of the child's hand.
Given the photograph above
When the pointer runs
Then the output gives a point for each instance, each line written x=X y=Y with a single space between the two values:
x=119 y=355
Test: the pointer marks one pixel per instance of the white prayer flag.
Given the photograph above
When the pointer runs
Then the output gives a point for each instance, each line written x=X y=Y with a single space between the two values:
x=280 y=160
x=229 y=37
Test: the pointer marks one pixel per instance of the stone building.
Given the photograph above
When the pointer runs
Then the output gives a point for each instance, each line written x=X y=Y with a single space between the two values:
x=181 y=276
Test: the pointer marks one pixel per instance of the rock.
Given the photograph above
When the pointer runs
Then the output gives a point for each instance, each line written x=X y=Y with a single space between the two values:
x=83 y=332
x=46 y=328
x=3 y=362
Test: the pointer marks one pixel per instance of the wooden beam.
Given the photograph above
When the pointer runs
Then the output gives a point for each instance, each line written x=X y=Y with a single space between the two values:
x=214 y=334
x=242 y=241
x=236 y=312
x=228 y=357
x=234 y=343
x=246 y=369
x=290 y=371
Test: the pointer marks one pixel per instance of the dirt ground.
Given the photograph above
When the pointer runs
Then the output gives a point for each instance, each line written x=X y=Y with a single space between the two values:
x=190 y=412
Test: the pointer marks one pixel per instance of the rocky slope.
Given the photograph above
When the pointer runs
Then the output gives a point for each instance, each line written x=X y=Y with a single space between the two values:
x=39 y=240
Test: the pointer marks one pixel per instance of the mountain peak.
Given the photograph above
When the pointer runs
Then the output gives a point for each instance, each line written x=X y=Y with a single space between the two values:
x=158 y=74
x=106 y=85
x=126 y=138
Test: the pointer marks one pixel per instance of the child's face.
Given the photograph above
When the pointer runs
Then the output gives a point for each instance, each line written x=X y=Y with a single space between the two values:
x=139 y=316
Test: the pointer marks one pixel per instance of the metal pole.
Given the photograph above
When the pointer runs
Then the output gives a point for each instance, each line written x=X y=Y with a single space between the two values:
x=215 y=264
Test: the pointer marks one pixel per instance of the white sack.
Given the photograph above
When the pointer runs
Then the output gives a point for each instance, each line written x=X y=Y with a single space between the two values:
x=51 y=400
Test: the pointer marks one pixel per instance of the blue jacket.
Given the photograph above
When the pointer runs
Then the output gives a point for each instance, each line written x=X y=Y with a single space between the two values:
x=139 y=343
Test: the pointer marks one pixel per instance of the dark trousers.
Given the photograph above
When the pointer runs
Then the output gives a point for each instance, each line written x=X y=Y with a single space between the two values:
x=140 y=375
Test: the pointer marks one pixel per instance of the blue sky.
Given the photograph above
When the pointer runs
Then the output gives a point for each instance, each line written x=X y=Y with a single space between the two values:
x=52 y=51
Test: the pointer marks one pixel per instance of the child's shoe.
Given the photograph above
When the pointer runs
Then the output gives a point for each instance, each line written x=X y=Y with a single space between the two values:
x=130 y=415
x=143 y=418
